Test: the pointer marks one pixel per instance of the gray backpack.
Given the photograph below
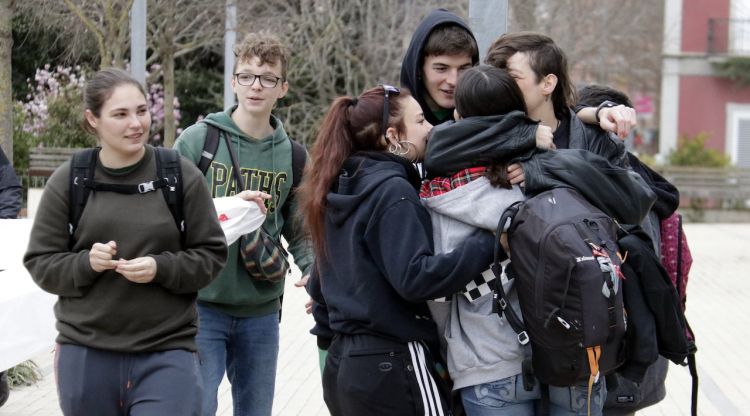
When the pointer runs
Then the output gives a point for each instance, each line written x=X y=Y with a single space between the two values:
x=567 y=273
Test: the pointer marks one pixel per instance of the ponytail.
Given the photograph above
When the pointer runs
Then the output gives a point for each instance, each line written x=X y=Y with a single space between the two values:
x=351 y=125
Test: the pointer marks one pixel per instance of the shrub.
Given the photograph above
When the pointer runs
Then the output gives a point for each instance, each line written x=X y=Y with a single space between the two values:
x=692 y=151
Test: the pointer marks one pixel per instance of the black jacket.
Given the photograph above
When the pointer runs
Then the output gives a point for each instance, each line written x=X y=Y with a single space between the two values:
x=620 y=193
x=667 y=195
x=380 y=264
x=476 y=141
x=411 y=67
x=10 y=189
x=447 y=155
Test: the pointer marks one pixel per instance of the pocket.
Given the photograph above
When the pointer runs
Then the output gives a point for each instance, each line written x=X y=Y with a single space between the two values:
x=377 y=378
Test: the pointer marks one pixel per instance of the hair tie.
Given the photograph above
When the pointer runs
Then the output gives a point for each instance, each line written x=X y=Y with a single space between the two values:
x=354 y=101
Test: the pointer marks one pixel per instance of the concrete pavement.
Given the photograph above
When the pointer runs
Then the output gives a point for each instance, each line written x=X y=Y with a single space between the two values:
x=718 y=311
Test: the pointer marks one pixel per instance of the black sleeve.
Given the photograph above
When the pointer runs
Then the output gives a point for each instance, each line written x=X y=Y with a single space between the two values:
x=619 y=193
x=10 y=192
x=400 y=241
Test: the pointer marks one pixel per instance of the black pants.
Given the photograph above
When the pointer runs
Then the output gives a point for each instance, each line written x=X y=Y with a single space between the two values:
x=368 y=375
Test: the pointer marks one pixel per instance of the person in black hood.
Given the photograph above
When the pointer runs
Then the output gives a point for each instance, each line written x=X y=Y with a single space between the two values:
x=375 y=257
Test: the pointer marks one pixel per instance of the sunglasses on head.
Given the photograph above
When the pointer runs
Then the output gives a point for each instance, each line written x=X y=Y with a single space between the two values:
x=388 y=90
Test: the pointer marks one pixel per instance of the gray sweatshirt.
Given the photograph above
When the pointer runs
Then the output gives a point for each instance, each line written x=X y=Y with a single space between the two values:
x=480 y=346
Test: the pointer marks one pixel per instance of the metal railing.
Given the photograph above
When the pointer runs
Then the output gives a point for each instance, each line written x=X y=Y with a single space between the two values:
x=728 y=37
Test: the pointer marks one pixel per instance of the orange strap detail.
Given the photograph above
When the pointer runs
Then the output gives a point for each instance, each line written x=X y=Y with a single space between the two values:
x=594 y=354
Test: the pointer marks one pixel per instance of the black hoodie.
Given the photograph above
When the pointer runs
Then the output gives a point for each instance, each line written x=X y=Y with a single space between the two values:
x=10 y=189
x=380 y=264
x=411 y=67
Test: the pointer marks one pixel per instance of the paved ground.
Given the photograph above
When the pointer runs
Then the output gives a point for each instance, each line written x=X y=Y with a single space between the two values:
x=718 y=310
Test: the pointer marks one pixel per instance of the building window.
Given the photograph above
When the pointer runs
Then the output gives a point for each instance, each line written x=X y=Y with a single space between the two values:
x=738 y=134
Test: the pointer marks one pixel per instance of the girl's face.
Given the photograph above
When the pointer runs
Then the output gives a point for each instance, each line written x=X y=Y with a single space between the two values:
x=416 y=130
x=123 y=124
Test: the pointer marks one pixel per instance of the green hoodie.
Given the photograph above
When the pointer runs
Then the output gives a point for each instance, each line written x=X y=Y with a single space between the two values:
x=266 y=165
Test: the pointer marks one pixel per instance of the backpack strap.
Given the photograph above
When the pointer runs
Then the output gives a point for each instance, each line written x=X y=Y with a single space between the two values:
x=210 y=146
x=82 y=168
x=169 y=179
x=299 y=158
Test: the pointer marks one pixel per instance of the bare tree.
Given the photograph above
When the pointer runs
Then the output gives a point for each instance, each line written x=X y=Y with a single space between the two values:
x=81 y=22
x=338 y=48
x=176 y=28
x=611 y=43
x=6 y=93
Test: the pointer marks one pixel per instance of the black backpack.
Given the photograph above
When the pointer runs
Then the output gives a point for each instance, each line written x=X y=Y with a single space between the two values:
x=168 y=179
x=564 y=261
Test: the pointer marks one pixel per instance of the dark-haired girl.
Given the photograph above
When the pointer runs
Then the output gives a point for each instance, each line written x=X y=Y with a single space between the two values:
x=375 y=259
x=126 y=281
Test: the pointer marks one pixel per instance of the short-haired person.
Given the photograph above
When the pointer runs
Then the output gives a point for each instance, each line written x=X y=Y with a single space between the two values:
x=239 y=314
x=484 y=356
x=127 y=278
x=375 y=260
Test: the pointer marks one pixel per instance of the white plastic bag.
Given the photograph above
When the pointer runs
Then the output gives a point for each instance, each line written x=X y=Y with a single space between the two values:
x=238 y=217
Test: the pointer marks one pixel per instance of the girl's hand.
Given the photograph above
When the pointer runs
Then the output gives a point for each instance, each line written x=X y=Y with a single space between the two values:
x=544 y=137
x=138 y=270
x=101 y=255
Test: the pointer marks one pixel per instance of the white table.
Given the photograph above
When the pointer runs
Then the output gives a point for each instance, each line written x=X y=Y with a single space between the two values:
x=27 y=321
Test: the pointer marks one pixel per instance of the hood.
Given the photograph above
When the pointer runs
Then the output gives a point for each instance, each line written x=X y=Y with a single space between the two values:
x=361 y=174
x=477 y=141
x=411 y=67
x=477 y=203
x=223 y=121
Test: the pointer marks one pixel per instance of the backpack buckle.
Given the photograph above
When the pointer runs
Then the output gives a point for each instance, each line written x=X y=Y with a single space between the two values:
x=146 y=187
x=523 y=338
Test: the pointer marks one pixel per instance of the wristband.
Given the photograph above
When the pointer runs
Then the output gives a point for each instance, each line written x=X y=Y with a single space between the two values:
x=605 y=104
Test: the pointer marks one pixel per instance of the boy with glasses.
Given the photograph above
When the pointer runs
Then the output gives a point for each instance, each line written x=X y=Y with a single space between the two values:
x=239 y=314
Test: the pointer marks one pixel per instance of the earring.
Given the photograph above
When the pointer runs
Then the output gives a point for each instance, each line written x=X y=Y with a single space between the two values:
x=397 y=149
x=406 y=144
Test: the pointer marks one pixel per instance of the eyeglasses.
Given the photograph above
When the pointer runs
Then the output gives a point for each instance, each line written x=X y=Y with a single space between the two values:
x=387 y=91
x=266 y=81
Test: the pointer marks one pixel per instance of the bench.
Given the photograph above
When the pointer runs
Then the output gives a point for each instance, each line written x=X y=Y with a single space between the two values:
x=43 y=161
x=710 y=188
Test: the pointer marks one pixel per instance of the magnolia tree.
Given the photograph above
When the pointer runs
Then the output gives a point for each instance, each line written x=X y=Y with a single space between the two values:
x=53 y=113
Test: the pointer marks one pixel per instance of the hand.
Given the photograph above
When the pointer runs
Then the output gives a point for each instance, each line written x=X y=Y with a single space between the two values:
x=101 y=255
x=308 y=306
x=544 y=137
x=302 y=281
x=255 y=196
x=515 y=174
x=138 y=270
x=618 y=119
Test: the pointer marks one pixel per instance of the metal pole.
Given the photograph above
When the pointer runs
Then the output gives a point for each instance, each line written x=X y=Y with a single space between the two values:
x=138 y=40
x=488 y=20
x=230 y=37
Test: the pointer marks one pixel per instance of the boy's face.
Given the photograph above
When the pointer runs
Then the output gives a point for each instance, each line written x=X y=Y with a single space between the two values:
x=440 y=74
x=257 y=99
x=535 y=91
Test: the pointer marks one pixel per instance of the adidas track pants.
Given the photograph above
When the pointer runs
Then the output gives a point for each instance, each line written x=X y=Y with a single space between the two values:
x=369 y=375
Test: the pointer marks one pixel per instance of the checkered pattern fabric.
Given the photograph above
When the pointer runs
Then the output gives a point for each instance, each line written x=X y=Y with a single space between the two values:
x=440 y=185
x=480 y=286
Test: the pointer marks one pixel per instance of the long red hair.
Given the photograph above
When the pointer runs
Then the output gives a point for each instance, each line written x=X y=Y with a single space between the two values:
x=351 y=125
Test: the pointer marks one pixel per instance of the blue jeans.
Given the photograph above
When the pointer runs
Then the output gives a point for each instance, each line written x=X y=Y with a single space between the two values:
x=508 y=397
x=248 y=349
